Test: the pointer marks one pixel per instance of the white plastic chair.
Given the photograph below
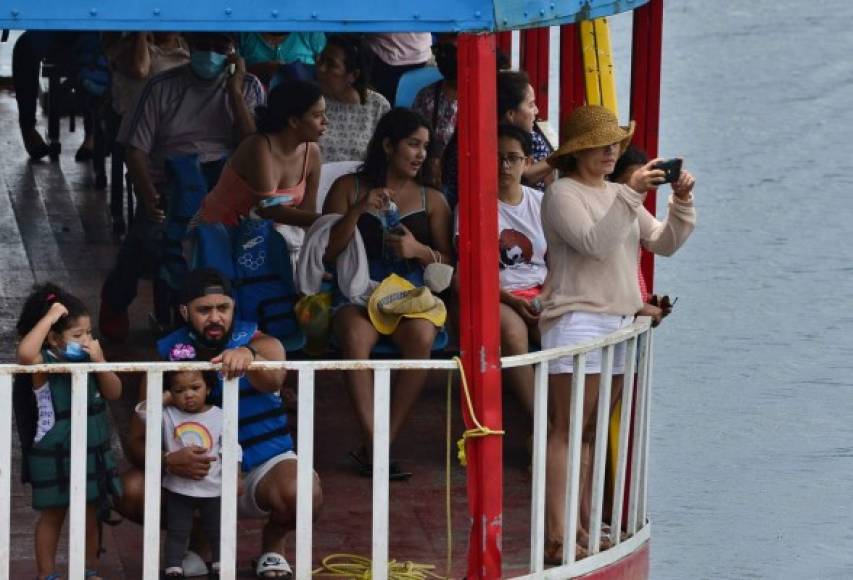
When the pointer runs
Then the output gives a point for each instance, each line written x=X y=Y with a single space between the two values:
x=329 y=172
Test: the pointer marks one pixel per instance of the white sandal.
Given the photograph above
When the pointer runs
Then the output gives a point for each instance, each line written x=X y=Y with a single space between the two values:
x=273 y=562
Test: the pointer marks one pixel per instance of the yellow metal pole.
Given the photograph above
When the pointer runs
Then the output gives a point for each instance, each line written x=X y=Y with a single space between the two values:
x=600 y=83
x=590 y=62
x=599 y=77
x=607 y=79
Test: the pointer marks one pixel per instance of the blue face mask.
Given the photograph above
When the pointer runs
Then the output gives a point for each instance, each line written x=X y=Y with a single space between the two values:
x=74 y=352
x=207 y=64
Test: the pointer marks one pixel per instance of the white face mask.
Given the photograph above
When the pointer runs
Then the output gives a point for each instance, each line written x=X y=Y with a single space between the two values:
x=438 y=276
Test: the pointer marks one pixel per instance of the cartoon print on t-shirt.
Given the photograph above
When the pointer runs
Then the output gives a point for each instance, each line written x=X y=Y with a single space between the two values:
x=192 y=433
x=515 y=248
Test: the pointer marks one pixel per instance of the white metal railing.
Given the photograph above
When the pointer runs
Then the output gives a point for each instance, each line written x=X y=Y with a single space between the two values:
x=638 y=332
x=638 y=340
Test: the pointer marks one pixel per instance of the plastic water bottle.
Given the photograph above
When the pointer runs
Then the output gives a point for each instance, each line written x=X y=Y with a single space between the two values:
x=390 y=225
x=391 y=217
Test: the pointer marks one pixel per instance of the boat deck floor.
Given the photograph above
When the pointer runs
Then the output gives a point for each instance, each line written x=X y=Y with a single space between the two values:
x=55 y=226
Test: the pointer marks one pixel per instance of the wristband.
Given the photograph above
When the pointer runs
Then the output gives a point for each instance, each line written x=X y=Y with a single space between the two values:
x=251 y=350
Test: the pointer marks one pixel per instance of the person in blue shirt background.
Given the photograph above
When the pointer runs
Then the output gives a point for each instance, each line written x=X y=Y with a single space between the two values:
x=266 y=52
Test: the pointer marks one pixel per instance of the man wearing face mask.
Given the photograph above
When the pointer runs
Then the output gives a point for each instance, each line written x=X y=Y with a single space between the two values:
x=269 y=465
x=205 y=108
x=438 y=103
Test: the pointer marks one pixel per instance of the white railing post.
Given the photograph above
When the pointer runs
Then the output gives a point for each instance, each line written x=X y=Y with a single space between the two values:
x=228 y=534
x=79 y=478
x=153 y=489
x=602 y=426
x=647 y=429
x=540 y=443
x=515 y=51
x=624 y=429
x=5 y=471
x=573 y=472
x=381 y=452
x=639 y=436
x=305 y=475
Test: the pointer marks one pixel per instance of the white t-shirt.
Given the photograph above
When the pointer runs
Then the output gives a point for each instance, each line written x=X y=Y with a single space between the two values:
x=203 y=429
x=522 y=242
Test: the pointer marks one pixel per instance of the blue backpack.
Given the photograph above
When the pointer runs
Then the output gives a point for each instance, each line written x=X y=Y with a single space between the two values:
x=255 y=258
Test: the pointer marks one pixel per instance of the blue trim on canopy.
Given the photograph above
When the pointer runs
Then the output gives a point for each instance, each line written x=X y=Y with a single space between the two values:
x=291 y=16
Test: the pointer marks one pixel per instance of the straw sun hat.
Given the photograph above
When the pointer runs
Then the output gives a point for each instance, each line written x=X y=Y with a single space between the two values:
x=591 y=127
x=397 y=298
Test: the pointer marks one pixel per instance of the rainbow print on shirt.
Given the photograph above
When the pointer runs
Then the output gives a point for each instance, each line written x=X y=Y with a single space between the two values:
x=192 y=433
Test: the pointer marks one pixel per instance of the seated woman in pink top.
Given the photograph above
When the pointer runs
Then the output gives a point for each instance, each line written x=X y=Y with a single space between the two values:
x=594 y=229
x=277 y=170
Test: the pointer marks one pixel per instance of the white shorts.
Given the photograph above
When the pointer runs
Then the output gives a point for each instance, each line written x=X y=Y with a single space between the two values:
x=247 y=506
x=577 y=327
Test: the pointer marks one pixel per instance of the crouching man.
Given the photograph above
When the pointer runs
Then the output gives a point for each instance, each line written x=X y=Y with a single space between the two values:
x=269 y=465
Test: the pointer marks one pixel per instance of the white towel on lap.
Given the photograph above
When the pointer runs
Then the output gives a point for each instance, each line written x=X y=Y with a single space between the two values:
x=351 y=265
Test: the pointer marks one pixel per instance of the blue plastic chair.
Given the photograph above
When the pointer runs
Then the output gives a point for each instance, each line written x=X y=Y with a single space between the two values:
x=413 y=81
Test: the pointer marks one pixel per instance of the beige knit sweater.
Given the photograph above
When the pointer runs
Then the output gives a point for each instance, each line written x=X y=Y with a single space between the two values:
x=593 y=245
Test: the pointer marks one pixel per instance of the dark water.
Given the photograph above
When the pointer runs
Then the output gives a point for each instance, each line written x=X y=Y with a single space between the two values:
x=752 y=417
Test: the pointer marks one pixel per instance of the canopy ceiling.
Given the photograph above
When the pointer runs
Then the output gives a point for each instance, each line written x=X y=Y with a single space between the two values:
x=319 y=15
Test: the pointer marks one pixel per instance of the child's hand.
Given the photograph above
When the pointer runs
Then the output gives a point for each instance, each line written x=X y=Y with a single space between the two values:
x=57 y=310
x=94 y=350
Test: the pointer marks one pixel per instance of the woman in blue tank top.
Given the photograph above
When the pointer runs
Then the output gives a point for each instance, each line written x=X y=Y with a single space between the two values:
x=393 y=171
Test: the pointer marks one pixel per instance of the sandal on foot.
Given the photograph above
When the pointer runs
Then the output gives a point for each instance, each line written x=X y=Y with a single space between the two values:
x=365 y=467
x=173 y=573
x=607 y=531
x=273 y=562
x=554 y=552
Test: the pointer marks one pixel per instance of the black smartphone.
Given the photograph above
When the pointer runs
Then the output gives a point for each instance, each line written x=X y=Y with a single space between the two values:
x=671 y=169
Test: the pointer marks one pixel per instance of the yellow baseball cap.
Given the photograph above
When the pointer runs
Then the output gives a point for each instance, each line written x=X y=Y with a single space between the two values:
x=396 y=298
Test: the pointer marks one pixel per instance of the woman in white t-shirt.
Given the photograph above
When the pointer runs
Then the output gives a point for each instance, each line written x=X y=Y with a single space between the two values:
x=522 y=250
x=522 y=256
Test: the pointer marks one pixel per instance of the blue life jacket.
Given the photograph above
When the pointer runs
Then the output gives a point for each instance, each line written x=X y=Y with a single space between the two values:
x=263 y=431
x=255 y=258
x=188 y=183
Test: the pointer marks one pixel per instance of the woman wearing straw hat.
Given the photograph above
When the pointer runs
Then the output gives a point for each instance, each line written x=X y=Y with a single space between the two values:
x=594 y=228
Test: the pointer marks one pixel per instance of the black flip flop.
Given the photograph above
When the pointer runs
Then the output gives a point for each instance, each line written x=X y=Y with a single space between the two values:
x=365 y=468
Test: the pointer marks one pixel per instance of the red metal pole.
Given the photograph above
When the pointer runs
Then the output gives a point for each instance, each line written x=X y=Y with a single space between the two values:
x=645 y=96
x=479 y=328
x=572 y=94
x=504 y=40
x=534 y=60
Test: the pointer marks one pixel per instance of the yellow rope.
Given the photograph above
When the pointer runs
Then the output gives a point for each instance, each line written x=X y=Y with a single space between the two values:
x=355 y=566
x=359 y=567
x=479 y=430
